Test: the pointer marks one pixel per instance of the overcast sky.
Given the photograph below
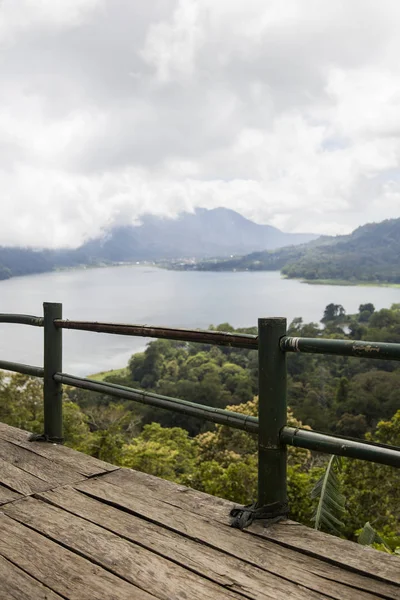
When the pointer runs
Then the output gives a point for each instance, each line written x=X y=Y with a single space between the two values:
x=287 y=111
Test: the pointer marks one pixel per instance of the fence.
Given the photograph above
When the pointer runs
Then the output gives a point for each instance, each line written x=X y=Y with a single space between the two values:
x=271 y=426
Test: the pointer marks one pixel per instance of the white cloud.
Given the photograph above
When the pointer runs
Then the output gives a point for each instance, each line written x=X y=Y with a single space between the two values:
x=17 y=17
x=287 y=112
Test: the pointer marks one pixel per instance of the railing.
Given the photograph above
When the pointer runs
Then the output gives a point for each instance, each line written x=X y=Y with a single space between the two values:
x=271 y=425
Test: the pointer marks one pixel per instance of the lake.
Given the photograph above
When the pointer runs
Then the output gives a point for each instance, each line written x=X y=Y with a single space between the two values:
x=152 y=296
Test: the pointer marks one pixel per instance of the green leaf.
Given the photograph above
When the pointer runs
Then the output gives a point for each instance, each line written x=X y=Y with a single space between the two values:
x=369 y=536
x=331 y=502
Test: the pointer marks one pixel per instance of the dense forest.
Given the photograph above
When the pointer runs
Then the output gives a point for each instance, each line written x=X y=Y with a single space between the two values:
x=349 y=396
x=371 y=253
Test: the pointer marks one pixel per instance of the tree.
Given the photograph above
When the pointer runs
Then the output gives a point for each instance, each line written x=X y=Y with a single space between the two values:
x=372 y=490
x=354 y=426
x=365 y=311
x=333 y=312
x=375 y=394
x=165 y=452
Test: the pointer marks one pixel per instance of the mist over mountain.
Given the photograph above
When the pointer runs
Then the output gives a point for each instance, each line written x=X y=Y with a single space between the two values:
x=205 y=233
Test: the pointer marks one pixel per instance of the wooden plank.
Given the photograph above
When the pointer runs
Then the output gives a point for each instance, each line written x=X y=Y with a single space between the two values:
x=21 y=481
x=7 y=495
x=289 y=564
x=36 y=465
x=63 y=571
x=15 y=584
x=343 y=553
x=81 y=463
x=217 y=566
x=135 y=564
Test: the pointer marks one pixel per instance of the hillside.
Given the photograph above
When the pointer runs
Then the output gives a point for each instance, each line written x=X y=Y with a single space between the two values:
x=370 y=253
x=204 y=233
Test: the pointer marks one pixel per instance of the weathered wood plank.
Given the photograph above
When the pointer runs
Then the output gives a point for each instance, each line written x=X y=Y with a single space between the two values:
x=36 y=465
x=21 y=481
x=147 y=570
x=7 y=495
x=63 y=571
x=206 y=561
x=77 y=461
x=343 y=553
x=15 y=584
x=269 y=556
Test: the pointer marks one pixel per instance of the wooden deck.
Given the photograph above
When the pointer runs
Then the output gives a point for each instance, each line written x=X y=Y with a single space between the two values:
x=76 y=528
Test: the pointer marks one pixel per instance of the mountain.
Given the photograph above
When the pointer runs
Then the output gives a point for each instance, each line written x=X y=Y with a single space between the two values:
x=370 y=253
x=204 y=233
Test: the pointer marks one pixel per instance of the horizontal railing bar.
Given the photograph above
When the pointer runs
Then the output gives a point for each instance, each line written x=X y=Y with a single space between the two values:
x=21 y=368
x=237 y=340
x=382 y=350
x=208 y=413
x=302 y=438
x=341 y=446
x=22 y=319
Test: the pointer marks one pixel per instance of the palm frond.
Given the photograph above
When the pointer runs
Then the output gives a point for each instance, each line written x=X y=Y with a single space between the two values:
x=331 y=503
x=369 y=536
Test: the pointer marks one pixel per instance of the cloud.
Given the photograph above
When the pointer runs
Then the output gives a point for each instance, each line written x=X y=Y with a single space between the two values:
x=287 y=112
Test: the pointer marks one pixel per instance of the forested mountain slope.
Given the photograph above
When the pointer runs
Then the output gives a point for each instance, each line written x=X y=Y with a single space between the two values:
x=370 y=253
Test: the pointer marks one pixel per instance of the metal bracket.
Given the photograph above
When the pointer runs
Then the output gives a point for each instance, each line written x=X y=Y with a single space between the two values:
x=42 y=437
x=269 y=513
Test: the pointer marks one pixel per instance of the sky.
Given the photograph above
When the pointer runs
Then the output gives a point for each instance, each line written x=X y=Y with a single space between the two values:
x=285 y=111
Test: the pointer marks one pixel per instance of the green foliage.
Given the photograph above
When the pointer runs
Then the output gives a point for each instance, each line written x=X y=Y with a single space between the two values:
x=227 y=466
x=21 y=401
x=111 y=426
x=333 y=312
x=165 y=452
x=21 y=405
x=372 y=491
x=212 y=376
x=331 y=502
x=369 y=537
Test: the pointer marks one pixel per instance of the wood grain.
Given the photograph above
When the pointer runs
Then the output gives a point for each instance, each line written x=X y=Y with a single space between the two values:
x=334 y=550
x=204 y=560
x=64 y=572
x=7 y=495
x=133 y=563
x=43 y=468
x=17 y=584
x=20 y=481
x=62 y=455
x=289 y=564
x=123 y=535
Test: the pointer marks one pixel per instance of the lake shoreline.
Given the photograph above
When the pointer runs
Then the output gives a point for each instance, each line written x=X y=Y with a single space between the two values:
x=158 y=265
x=346 y=282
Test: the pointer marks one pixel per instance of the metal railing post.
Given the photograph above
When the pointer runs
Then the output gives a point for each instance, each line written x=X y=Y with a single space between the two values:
x=272 y=412
x=52 y=390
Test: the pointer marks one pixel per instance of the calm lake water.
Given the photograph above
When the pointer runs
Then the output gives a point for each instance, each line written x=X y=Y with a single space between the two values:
x=147 y=295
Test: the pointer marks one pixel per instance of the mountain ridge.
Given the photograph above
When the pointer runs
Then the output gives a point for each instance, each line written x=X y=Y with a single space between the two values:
x=371 y=253
x=201 y=234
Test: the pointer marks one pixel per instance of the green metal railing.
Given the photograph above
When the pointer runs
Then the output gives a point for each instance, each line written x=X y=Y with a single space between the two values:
x=271 y=426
